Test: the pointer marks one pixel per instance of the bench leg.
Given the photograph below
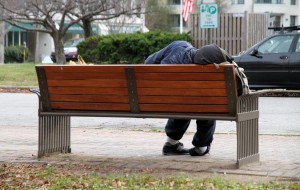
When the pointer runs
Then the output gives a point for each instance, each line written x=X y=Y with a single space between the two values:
x=247 y=143
x=54 y=134
x=247 y=130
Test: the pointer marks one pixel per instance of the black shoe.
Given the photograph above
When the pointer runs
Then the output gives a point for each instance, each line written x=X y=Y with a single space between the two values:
x=176 y=149
x=193 y=152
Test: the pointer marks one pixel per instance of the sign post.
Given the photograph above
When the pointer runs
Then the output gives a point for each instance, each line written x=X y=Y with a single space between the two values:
x=209 y=18
x=24 y=53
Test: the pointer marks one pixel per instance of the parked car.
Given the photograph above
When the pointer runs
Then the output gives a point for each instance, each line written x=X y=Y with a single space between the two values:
x=70 y=49
x=274 y=62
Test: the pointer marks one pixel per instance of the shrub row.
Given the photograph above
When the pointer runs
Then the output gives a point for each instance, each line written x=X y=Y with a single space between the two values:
x=126 y=48
x=15 y=54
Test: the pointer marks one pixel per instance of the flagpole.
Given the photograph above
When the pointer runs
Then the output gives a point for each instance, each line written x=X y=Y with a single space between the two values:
x=181 y=24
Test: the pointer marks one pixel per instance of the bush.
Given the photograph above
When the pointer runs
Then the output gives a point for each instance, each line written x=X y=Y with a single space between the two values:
x=126 y=48
x=15 y=54
x=87 y=49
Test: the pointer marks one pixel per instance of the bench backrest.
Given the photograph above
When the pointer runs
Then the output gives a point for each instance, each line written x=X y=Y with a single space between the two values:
x=138 y=89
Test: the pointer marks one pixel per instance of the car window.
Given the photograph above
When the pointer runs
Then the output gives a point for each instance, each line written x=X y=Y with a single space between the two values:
x=277 y=44
x=72 y=43
x=298 y=45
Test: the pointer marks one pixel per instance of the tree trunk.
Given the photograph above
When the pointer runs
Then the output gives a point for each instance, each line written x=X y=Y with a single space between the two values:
x=37 y=42
x=59 y=50
x=2 y=35
x=87 y=27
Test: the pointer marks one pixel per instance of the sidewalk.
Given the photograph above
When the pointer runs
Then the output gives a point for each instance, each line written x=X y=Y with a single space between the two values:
x=280 y=155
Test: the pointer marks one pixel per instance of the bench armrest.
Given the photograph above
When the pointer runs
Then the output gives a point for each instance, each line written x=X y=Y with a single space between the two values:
x=275 y=91
x=36 y=91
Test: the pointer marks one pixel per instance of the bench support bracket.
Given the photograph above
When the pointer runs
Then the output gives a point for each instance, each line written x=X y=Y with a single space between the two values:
x=54 y=134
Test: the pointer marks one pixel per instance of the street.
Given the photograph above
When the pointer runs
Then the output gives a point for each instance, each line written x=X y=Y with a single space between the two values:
x=278 y=115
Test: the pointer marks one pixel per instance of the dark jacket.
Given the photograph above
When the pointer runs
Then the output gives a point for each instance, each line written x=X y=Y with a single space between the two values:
x=182 y=52
x=178 y=52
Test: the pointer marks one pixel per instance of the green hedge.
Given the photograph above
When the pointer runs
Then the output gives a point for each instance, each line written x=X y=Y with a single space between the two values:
x=126 y=48
x=15 y=54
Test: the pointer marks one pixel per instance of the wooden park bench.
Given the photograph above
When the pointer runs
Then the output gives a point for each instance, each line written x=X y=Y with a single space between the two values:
x=143 y=91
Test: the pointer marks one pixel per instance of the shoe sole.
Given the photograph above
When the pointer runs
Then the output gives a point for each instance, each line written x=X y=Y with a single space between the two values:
x=175 y=154
x=192 y=152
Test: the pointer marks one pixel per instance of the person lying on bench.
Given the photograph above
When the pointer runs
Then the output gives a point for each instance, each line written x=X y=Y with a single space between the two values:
x=182 y=52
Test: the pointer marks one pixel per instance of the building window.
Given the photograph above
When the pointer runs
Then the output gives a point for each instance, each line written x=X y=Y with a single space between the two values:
x=174 y=2
x=10 y=38
x=293 y=2
x=16 y=38
x=275 y=21
x=293 y=20
x=174 y=21
x=238 y=2
x=269 y=1
x=23 y=37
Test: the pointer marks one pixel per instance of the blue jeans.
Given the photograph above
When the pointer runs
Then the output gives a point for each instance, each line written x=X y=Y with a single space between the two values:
x=175 y=128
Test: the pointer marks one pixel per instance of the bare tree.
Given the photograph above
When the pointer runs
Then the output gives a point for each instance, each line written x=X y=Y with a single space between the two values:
x=91 y=10
x=48 y=16
x=57 y=16
x=157 y=15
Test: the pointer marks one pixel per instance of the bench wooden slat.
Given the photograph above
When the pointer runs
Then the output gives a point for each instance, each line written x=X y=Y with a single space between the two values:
x=183 y=100
x=88 y=83
x=143 y=107
x=181 y=84
x=180 y=76
x=184 y=108
x=90 y=106
x=178 y=68
x=90 y=90
x=80 y=68
x=89 y=98
x=83 y=75
x=181 y=92
x=138 y=68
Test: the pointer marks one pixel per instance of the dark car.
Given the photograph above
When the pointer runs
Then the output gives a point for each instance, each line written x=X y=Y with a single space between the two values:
x=274 y=62
x=70 y=49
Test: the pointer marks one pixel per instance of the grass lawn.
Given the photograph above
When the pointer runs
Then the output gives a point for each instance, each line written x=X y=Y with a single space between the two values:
x=18 y=75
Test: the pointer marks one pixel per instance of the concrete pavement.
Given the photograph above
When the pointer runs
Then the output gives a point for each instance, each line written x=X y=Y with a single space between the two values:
x=141 y=149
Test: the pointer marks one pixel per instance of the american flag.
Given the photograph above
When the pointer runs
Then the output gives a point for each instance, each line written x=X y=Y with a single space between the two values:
x=188 y=7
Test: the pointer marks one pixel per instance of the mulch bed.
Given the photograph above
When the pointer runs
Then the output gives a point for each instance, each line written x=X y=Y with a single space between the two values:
x=14 y=90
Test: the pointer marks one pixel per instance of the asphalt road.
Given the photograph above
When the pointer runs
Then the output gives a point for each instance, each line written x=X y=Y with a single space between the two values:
x=278 y=115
